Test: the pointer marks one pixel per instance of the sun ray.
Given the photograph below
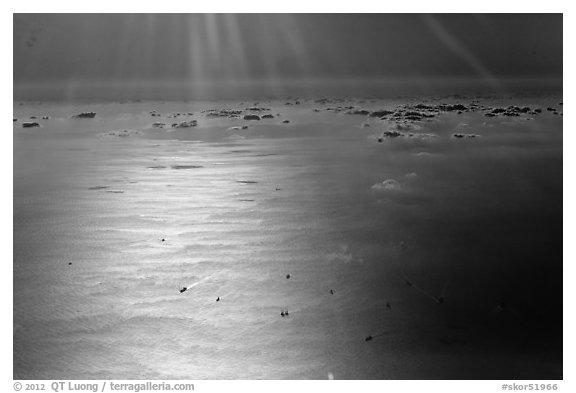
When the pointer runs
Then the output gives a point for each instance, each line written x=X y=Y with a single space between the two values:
x=460 y=50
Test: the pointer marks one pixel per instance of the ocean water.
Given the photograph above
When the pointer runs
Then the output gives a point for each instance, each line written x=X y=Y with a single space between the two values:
x=476 y=222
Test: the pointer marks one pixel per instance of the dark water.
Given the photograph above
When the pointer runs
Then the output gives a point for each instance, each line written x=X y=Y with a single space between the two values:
x=453 y=266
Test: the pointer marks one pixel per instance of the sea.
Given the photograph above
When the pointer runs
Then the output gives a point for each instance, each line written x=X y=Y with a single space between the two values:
x=309 y=245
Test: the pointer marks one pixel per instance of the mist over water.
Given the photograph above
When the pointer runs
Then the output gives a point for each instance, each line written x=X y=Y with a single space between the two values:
x=258 y=89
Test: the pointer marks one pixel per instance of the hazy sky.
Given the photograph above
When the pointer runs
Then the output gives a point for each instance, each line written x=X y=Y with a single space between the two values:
x=69 y=48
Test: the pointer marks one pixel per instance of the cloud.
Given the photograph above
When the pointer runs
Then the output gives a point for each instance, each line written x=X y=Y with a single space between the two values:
x=387 y=185
x=341 y=254
x=424 y=154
